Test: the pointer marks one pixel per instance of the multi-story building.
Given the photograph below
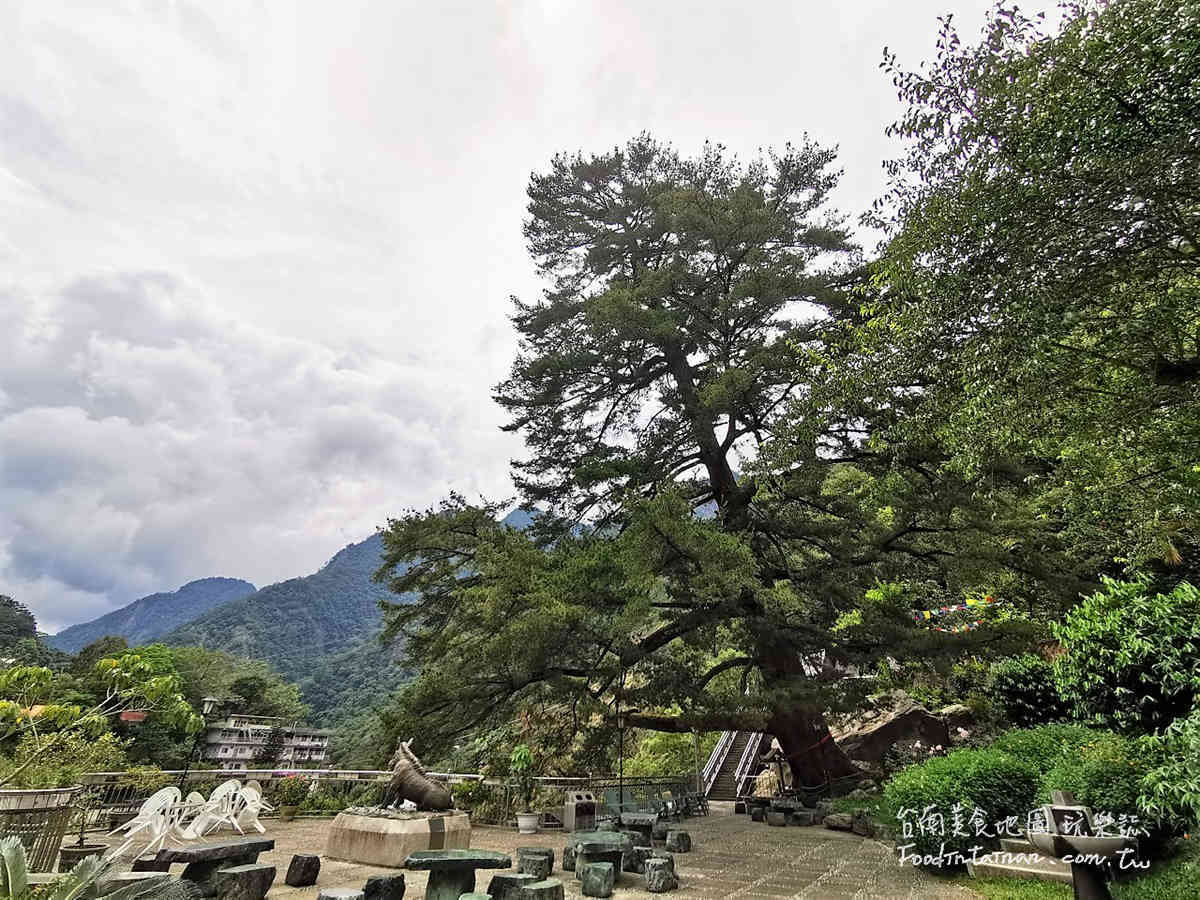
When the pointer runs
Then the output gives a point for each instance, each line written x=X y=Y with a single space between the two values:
x=239 y=742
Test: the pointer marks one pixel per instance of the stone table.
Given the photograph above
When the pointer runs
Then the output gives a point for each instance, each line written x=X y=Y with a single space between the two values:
x=203 y=860
x=452 y=872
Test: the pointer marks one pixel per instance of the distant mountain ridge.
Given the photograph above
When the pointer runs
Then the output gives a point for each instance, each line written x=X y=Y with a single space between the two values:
x=320 y=630
x=149 y=618
x=295 y=624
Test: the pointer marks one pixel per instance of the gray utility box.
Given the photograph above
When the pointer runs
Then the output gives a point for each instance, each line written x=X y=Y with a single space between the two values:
x=579 y=811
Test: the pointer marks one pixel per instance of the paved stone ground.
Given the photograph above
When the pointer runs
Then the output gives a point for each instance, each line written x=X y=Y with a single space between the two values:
x=731 y=857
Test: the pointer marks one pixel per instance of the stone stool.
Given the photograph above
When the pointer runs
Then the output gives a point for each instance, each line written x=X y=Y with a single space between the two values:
x=549 y=889
x=507 y=885
x=340 y=894
x=302 y=870
x=660 y=876
x=384 y=887
x=597 y=879
x=537 y=861
x=776 y=817
x=249 y=882
x=679 y=842
x=595 y=852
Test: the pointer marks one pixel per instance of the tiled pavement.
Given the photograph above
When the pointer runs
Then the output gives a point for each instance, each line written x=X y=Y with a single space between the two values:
x=731 y=857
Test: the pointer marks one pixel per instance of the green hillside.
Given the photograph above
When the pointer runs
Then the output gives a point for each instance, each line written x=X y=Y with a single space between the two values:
x=148 y=619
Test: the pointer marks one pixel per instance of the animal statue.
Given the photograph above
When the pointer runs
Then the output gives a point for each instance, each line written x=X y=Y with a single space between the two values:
x=409 y=782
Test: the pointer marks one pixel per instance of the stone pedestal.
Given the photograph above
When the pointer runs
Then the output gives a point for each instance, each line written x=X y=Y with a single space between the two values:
x=389 y=840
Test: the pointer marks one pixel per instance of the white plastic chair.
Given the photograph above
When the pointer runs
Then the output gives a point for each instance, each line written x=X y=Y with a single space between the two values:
x=220 y=809
x=251 y=805
x=155 y=817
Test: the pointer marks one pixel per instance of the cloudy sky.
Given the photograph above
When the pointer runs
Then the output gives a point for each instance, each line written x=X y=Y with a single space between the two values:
x=255 y=256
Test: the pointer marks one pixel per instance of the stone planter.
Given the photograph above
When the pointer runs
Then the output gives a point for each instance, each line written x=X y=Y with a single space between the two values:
x=39 y=818
x=527 y=823
x=72 y=854
x=287 y=813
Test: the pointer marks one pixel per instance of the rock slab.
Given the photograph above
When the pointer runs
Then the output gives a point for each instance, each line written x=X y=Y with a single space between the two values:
x=384 y=887
x=840 y=821
x=302 y=870
x=597 y=879
x=776 y=817
x=339 y=894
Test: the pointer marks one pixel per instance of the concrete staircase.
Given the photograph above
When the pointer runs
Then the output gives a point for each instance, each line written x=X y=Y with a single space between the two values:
x=725 y=786
x=1030 y=864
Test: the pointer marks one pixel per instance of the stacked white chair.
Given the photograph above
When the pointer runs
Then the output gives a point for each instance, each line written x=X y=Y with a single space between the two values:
x=220 y=809
x=155 y=820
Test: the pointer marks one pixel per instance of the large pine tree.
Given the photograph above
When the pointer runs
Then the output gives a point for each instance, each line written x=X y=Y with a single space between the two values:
x=690 y=304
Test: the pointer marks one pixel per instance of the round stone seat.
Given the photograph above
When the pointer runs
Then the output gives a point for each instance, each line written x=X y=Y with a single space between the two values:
x=452 y=872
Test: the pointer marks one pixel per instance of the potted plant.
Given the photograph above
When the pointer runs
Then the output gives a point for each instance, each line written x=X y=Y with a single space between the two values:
x=520 y=764
x=290 y=792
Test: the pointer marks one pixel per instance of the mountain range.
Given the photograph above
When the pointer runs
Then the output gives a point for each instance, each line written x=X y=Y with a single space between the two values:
x=320 y=630
x=150 y=618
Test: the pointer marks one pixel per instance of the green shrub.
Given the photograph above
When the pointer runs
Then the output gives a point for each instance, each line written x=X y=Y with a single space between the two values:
x=1042 y=747
x=1105 y=774
x=1024 y=689
x=290 y=791
x=1171 y=789
x=1131 y=659
x=997 y=784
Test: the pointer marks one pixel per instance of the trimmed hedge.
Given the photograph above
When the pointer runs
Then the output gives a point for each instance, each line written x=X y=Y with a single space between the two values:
x=997 y=783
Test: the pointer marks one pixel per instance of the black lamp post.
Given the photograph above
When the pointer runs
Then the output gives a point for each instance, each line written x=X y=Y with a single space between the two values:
x=207 y=705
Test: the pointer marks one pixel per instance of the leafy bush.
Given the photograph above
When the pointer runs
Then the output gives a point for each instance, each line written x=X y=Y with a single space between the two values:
x=1131 y=658
x=997 y=783
x=1171 y=789
x=290 y=791
x=1105 y=774
x=1025 y=690
x=1044 y=746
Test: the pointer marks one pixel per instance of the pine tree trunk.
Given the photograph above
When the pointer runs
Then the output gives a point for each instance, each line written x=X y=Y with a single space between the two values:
x=812 y=753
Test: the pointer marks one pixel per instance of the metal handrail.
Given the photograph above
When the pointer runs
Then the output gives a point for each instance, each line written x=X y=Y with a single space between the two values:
x=749 y=755
x=716 y=759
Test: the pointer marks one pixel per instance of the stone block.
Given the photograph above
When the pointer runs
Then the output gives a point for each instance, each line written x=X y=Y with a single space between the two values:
x=839 y=821
x=596 y=879
x=568 y=858
x=801 y=817
x=739 y=808
x=668 y=858
x=549 y=889
x=340 y=894
x=634 y=860
x=302 y=870
x=679 y=841
x=757 y=814
x=507 y=885
x=660 y=877
x=475 y=895
x=538 y=861
x=149 y=864
x=659 y=830
x=639 y=838
x=384 y=887
x=379 y=841
x=860 y=823
x=776 y=817
x=250 y=882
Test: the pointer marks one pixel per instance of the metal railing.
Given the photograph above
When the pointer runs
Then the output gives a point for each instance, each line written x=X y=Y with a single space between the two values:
x=748 y=763
x=716 y=759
